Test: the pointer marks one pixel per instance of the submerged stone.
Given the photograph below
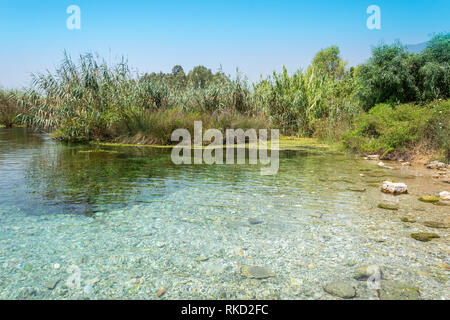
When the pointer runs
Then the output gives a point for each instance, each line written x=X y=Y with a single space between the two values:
x=357 y=189
x=429 y=199
x=339 y=179
x=424 y=236
x=161 y=292
x=408 y=220
x=340 y=289
x=255 y=272
x=441 y=203
x=315 y=215
x=396 y=290
x=254 y=221
x=201 y=258
x=375 y=174
x=373 y=185
x=435 y=225
x=388 y=206
x=52 y=284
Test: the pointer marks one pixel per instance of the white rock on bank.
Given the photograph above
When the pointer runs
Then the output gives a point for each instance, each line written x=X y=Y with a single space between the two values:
x=373 y=157
x=445 y=195
x=406 y=164
x=394 y=188
x=436 y=165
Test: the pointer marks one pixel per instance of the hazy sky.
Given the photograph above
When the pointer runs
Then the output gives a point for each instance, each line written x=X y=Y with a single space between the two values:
x=255 y=36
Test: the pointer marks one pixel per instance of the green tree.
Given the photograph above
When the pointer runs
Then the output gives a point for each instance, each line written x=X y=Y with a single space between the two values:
x=434 y=73
x=438 y=49
x=388 y=76
x=328 y=62
x=200 y=76
x=177 y=70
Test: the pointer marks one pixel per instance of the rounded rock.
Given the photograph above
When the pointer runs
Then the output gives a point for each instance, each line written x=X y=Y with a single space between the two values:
x=340 y=289
x=255 y=272
x=396 y=290
x=394 y=188
x=424 y=236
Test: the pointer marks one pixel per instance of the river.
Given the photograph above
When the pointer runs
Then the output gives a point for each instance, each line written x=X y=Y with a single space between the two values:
x=103 y=222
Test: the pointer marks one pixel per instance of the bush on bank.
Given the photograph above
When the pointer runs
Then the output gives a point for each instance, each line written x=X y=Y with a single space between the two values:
x=397 y=131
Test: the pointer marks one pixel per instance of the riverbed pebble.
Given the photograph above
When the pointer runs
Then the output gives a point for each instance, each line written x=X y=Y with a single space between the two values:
x=256 y=272
x=340 y=289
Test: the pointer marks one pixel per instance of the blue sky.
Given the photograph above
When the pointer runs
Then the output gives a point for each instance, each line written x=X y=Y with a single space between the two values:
x=255 y=36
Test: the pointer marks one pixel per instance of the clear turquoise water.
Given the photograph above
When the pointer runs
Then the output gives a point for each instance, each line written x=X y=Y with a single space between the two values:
x=133 y=223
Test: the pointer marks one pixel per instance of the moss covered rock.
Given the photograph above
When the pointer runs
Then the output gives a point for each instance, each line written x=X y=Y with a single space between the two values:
x=356 y=189
x=396 y=290
x=435 y=225
x=340 y=289
x=388 y=206
x=424 y=236
x=429 y=199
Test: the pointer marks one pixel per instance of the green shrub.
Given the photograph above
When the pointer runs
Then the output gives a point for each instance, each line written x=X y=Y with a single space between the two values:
x=386 y=128
x=437 y=130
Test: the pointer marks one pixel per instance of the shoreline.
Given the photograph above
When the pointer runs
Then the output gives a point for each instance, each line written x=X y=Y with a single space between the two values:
x=416 y=158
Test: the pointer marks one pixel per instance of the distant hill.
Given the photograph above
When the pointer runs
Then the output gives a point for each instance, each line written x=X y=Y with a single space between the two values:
x=416 y=48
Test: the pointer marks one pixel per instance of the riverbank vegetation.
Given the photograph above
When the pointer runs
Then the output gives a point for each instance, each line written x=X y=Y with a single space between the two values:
x=11 y=108
x=402 y=131
x=395 y=104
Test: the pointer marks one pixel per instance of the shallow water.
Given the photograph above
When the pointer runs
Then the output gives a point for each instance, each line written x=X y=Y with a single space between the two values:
x=133 y=223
